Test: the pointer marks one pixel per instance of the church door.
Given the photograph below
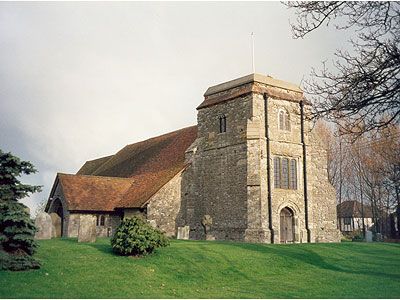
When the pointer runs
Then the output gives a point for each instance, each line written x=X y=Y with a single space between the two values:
x=287 y=226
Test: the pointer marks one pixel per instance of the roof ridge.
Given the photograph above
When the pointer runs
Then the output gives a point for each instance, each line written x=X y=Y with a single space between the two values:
x=158 y=136
x=141 y=147
x=96 y=176
x=107 y=156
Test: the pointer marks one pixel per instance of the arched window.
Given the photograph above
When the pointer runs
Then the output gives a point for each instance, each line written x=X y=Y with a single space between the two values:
x=222 y=124
x=102 y=221
x=284 y=120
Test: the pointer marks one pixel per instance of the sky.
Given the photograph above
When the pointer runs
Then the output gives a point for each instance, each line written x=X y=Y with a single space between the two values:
x=80 y=80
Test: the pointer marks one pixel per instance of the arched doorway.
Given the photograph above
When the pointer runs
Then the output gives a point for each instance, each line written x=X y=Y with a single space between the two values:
x=286 y=226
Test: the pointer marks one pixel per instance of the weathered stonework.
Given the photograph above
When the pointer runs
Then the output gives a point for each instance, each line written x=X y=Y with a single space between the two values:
x=227 y=176
x=164 y=206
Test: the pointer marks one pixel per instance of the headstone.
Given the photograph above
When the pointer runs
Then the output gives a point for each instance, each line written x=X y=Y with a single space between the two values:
x=207 y=222
x=87 y=228
x=183 y=233
x=56 y=221
x=379 y=237
x=43 y=223
x=368 y=236
x=53 y=231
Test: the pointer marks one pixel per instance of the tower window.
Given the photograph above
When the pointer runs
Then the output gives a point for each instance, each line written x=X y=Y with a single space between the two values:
x=284 y=120
x=285 y=173
x=222 y=124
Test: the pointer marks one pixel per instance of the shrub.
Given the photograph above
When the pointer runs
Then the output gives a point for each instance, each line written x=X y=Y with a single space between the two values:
x=136 y=237
x=358 y=238
x=352 y=234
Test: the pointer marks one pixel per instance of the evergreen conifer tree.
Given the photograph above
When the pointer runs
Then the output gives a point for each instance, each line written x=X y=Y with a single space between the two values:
x=17 y=230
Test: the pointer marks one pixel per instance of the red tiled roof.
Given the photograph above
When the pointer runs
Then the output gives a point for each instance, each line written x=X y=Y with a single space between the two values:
x=349 y=209
x=83 y=192
x=92 y=165
x=130 y=177
x=156 y=162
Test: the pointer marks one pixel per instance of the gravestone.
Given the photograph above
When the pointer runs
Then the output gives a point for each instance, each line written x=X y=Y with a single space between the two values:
x=43 y=223
x=87 y=228
x=56 y=221
x=207 y=222
x=379 y=237
x=368 y=236
x=183 y=233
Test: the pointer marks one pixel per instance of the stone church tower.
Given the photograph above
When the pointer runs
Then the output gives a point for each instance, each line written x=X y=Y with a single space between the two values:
x=256 y=168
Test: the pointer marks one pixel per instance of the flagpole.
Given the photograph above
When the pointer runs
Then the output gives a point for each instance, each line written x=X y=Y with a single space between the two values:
x=252 y=58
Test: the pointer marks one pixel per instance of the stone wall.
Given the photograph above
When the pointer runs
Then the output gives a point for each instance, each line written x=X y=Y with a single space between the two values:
x=217 y=174
x=322 y=195
x=111 y=223
x=131 y=212
x=163 y=207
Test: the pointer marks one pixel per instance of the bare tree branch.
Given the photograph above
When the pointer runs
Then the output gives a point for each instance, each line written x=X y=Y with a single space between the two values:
x=364 y=86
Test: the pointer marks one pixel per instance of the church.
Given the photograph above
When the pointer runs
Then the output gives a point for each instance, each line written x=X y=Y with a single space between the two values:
x=252 y=168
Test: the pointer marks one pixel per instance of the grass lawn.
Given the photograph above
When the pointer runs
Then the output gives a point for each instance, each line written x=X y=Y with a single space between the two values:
x=203 y=269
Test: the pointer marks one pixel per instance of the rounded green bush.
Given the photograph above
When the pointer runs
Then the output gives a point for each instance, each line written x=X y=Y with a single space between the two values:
x=136 y=237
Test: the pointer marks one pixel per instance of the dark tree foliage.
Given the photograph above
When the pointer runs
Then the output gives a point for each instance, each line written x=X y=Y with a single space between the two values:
x=12 y=167
x=136 y=237
x=364 y=86
x=17 y=230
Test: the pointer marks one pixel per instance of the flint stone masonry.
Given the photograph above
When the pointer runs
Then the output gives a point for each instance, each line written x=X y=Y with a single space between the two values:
x=43 y=223
x=164 y=206
x=227 y=175
x=87 y=228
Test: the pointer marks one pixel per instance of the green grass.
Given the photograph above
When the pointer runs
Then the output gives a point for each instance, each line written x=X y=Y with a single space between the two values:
x=202 y=269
